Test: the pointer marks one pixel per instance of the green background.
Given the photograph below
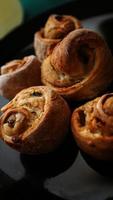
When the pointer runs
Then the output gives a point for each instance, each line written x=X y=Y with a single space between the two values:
x=35 y=7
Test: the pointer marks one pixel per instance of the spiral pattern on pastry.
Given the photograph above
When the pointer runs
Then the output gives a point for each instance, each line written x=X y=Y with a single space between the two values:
x=19 y=74
x=80 y=66
x=92 y=126
x=36 y=121
x=55 y=29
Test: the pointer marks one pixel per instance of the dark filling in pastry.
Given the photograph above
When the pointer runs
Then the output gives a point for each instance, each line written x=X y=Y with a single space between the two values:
x=82 y=117
x=14 y=124
x=11 y=121
x=36 y=94
x=58 y=17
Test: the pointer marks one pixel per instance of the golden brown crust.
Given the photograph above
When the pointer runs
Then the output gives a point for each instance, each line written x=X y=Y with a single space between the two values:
x=58 y=26
x=43 y=46
x=80 y=66
x=92 y=127
x=35 y=121
x=19 y=74
x=55 y=29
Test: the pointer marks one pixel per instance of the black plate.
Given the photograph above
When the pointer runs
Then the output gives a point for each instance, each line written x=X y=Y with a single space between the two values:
x=65 y=173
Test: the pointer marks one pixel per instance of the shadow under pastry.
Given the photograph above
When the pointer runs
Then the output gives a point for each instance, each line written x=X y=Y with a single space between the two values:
x=40 y=167
x=22 y=190
x=53 y=163
x=102 y=167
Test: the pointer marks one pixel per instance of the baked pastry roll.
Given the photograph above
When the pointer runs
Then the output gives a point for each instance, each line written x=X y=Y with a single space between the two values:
x=35 y=121
x=19 y=74
x=80 y=66
x=55 y=29
x=92 y=126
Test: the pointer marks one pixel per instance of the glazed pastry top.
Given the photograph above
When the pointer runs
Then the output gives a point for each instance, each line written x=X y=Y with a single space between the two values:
x=102 y=120
x=15 y=65
x=12 y=66
x=74 y=58
x=58 y=26
x=25 y=111
x=54 y=30
x=96 y=117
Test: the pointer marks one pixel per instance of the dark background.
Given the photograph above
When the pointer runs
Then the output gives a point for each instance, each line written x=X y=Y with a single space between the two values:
x=65 y=173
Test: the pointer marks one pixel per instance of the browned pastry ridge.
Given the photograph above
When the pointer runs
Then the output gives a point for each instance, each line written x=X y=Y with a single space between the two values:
x=80 y=66
x=19 y=74
x=55 y=29
x=36 y=121
x=92 y=126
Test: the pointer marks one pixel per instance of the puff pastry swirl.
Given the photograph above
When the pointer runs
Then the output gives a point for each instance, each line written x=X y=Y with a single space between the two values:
x=92 y=126
x=55 y=29
x=80 y=66
x=19 y=74
x=35 y=121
